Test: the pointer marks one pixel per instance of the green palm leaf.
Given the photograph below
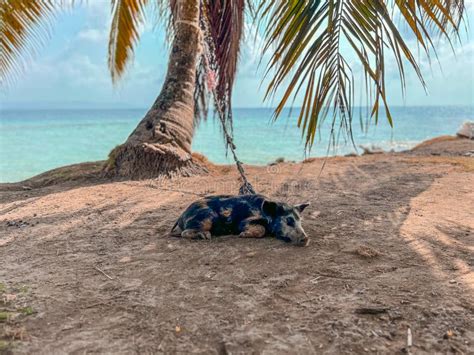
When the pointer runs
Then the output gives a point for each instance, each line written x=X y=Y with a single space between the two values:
x=24 y=25
x=308 y=40
x=127 y=17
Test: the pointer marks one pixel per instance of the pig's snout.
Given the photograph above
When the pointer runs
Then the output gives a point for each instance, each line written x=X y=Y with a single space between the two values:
x=304 y=241
x=301 y=239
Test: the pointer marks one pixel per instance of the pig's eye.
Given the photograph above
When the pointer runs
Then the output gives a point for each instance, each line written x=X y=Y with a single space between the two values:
x=290 y=221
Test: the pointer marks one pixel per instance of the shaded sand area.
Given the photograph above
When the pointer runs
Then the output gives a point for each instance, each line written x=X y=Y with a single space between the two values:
x=85 y=266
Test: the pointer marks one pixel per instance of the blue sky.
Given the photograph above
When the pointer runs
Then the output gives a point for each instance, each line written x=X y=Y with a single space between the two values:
x=71 y=70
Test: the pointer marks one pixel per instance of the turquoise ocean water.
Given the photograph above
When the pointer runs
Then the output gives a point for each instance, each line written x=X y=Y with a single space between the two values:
x=32 y=142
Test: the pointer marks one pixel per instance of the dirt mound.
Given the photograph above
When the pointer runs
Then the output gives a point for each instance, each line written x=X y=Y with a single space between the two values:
x=445 y=146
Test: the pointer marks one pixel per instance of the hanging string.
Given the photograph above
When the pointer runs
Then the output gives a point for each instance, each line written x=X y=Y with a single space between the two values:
x=246 y=188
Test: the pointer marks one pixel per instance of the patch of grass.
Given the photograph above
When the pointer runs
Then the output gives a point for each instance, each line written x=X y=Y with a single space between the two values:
x=309 y=160
x=24 y=289
x=277 y=161
x=111 y=160
x=27 y=311
x=3 y=288
x=4 y=316
x=4 y=345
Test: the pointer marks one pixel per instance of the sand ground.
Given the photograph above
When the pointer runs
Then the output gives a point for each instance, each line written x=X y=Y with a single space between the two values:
x=86 y=267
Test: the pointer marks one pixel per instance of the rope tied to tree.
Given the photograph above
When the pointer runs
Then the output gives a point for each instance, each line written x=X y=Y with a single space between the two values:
x=246 y=188
x=223 y=111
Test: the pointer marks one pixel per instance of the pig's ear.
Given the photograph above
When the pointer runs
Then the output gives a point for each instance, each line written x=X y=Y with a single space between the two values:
x=300 y=208
x=270 y=208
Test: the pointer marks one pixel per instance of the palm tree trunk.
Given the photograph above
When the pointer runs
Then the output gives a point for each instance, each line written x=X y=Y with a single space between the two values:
x=161 y=143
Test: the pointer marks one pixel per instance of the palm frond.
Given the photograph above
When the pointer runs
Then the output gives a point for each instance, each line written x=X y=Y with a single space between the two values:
x=308 y=40
x=127 y=17
x=202 y=89
x=223 y=23
x=24 y=26
x=162 y=16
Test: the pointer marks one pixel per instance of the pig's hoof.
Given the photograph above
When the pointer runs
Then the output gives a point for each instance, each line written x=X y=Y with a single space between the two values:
x=195 y=234
x=204 y=235
x=253 y=231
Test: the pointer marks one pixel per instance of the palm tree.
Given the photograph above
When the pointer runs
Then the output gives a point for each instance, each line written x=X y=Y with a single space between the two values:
x=206 y=38
x=307 y=39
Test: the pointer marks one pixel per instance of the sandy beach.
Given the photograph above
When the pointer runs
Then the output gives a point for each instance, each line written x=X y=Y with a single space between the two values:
x=86 y=266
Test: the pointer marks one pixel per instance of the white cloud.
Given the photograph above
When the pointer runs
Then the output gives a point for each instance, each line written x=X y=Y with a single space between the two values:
x=93 y=35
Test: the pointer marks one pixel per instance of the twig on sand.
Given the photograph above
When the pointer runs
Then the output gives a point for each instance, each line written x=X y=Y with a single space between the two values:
x=151 y=186
x=332 y=276
x=301 y=304
x=93 y=305
x=409 y=341
x=103 y=273
x=183 y=191
x=409 y=338
x=371 y=310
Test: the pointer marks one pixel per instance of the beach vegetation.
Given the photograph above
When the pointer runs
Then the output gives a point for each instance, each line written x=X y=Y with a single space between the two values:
x=4 y=345
x=27 y=311
x=4 y=316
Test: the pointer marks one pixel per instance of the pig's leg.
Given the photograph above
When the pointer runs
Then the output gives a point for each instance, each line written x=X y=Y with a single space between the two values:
x=195 y=234
x=199 y=226
x=251 y=229
x=175 y=231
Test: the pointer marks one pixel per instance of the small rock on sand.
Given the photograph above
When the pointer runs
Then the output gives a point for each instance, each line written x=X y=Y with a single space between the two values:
x=466 y=130
x=366 y=252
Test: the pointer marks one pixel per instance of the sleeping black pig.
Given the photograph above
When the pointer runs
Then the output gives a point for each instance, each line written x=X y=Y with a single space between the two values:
x=249 y=216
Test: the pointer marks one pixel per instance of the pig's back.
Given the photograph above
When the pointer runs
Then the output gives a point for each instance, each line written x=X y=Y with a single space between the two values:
x=232 y=210
x=242 y=204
